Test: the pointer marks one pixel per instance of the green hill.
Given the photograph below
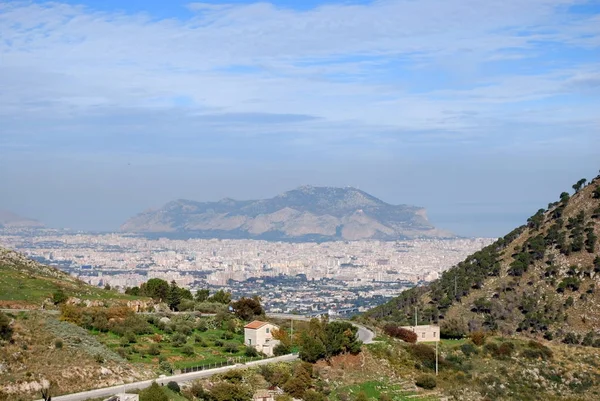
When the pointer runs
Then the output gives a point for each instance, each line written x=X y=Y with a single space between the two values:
x=27 y=284
x=539 y=280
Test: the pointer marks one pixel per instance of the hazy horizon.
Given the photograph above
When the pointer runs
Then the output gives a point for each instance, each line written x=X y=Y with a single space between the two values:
x=480 y=112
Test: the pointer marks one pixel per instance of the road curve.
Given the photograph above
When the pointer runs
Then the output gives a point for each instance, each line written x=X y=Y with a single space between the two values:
x=182 y=378
x=365 y=335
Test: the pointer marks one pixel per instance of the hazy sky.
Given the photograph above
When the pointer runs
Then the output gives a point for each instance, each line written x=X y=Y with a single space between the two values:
x=481 y=111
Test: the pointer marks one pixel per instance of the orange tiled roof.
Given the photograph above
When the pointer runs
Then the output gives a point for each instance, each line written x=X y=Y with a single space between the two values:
x=255 y=325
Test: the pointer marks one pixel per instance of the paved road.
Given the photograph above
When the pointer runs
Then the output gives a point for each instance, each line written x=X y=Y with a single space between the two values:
x=365 y=335
x=186 y=377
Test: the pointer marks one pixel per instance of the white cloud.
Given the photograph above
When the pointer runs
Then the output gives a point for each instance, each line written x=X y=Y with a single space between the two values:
x=351 y=65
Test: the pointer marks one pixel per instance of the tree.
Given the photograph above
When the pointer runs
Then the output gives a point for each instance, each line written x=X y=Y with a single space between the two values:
x=6 y=330
x=311 y=348
x=202 y=295
x=579 y=184
x=156 y=289
x=153 y=393
x=596 y=193
x=59 y=297
x=173 y=386
x=564 y=197
x=132 y=291
x=224 y=391
x=174 y=296
x=220 y=297
x=247 y=308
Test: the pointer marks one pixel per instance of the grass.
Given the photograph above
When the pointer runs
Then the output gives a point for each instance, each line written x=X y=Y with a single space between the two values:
x=374 y=389
x=206 y=352
x=27 y=287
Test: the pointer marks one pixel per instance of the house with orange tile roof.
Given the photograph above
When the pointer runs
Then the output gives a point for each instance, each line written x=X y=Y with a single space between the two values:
x=259 y=335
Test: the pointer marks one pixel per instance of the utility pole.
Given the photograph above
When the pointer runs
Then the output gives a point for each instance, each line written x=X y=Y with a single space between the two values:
x=455 y=291
x=416 y=320
x=436 y=358
x=292 y=333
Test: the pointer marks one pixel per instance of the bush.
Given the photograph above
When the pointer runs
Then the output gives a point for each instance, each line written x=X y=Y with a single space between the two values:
x=166 y=367
x=281 y=349
x=427 y=382
x=59 y=297
x=218 y=343
x=312 y=395
x=153 y=350
x=227 y=336
x=424 y=353
x=250 y=352
x=188 y=350
x=468 y=349
x=173 y=386
x=537 y=350
x=153 y=393
x=6 y=330
x=491 y=348
x=58 y=344
x=478 y=338
x=231 y=347
x=401 y=333
x=571 y=338
x=178 y=340
x=506 y=349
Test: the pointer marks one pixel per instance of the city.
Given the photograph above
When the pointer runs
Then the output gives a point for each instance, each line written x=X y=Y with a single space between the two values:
x=334 y=277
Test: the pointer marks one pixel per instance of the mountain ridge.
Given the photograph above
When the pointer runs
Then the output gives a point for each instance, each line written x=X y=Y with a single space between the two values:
x=304 y=213
x=12 y=220
x=540 y=280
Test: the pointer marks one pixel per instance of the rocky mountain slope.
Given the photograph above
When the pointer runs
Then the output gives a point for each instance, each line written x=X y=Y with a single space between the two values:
x=542 y=279
x=12 y=220
x=305 y=213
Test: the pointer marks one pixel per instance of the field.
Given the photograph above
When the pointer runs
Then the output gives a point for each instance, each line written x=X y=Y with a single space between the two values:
x=183 y=342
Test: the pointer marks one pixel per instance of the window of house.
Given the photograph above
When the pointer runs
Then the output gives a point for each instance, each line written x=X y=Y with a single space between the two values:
x=423 y=335
x=249 y=341
x=267 y=330
x=434 y=333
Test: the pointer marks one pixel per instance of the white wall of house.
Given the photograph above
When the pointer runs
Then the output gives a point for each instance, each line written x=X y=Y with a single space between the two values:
x=425 y=333
x=261 y=338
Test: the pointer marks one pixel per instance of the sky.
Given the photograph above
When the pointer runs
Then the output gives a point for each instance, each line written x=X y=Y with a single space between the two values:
x=481 y=111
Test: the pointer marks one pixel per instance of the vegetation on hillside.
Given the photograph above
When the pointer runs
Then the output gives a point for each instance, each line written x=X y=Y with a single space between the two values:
x=539 y=280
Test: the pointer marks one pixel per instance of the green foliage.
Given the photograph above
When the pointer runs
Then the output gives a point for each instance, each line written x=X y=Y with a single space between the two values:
x=281 y=349
x=231 y=347
x=166 y=367
x=325 y=339
x=220 y=297
x=225 y=391
x=424 y=354
x=571 y=338
x=59 y=297
x=579 y=184
x=133 y=291
x=252 y=352
x=312 y=395
x=427 y=382
x=202 y=295
x=6 y=330
x=173 y=386
x=187 y=350
x=570 y=283
x=178 y=340
x=247 y=308
x=153 y=393
x=156 y=289
x=468 y=349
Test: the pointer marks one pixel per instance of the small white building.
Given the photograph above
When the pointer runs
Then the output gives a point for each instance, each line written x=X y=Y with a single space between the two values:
x=425 y=333
x=260 y=336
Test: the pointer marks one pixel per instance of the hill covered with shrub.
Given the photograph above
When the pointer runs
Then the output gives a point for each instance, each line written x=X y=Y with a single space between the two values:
x=541 y=280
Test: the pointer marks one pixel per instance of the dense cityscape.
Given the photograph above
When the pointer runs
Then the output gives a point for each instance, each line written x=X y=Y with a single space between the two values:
x=339 y=277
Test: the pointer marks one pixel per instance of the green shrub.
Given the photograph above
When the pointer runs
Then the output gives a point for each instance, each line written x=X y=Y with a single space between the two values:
x=231 y=347
x=423 y=353
x=468 y=349
x=173 y=386
x=251 y=352
x=491 y=348
x=154 y=350
x=218 y=343
x=571 y=338
x=153 y=393
x=281 y=349
x=427 y=382
x=227 y=335
x=178 y=340
x=506 y=349
x=188 y=350
x=58 y=344
x=6 y=329
x=166 y=367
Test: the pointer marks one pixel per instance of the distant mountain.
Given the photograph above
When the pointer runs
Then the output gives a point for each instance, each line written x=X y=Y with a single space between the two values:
x=12 y=220
x=303 y=214
x=542 y=279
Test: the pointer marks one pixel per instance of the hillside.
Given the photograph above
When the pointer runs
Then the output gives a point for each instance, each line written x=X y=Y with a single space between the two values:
x=303 y=214
x=12 y=220
x=542 y=279
x=27 y=284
